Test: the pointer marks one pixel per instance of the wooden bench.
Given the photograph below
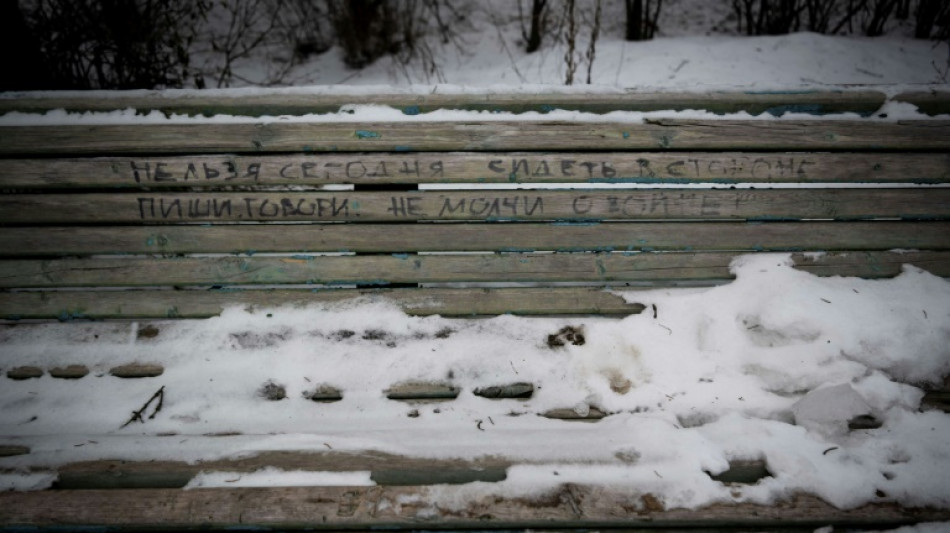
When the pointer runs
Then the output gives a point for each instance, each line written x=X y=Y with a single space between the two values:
x=190 y=217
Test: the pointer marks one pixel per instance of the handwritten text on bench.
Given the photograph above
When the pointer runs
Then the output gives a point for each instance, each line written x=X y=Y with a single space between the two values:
x=536 y=168
x=350 y=206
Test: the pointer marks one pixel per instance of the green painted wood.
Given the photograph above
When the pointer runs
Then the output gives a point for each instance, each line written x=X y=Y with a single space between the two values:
x=279 y=102
x=387 y=269
x=582 y=205
x=654 y=134
x=460 y=167
x=401 y=238
x=75 y=305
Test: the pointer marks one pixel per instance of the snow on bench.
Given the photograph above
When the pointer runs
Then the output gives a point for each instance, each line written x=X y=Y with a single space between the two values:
x=361 y=359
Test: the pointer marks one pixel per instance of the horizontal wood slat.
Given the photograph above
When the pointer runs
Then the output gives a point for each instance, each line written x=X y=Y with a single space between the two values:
x=68 y=305
x=369 y=168
x=566 y=506
x=112 y=474
x=931 y=102
x=398 y=238
x=294 y=103
x=665 y=134
x=348 y=206
x=381 y=270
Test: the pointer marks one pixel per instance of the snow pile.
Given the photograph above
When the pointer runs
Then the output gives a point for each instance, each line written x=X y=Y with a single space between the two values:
x=772 y=366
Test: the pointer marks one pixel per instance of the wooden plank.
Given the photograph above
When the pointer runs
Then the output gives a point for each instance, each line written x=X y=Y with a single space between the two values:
x=400 y=206
x=386 y=469
x=401 y=238
x=137 y=371
x=746 y=471
x=459 y=167
x=665 y=134
x=939 y=399
x=930 y=102
x=209 y=103
x=10 y=450
x=416 y=391
x=72 y=305
x=569 y=505
x=405 y=268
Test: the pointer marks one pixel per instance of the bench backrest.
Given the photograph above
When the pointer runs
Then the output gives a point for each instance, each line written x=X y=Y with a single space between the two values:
x=195 y=215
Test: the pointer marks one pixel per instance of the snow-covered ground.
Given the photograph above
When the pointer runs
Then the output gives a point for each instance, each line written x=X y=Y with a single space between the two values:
x=696 y=49
x=771 y=366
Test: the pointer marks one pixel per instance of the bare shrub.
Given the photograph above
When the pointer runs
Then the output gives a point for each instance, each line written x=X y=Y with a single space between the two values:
x=570 y=37
x=404 y=29
x=777 y=17
x=932 y=15
x=116 y=44
x=592 y=44
x=276 y=34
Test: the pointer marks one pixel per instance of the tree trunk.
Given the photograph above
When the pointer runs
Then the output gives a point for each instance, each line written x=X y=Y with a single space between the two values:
x=537 y=16
x=634 y=20
x=926 y=14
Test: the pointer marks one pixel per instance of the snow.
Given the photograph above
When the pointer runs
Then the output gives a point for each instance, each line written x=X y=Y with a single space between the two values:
x=827 y=410
x=771 y=366
x=27 y=481
x=695 y=50
x=270 y=477
x=891 y=111
x=767 y=367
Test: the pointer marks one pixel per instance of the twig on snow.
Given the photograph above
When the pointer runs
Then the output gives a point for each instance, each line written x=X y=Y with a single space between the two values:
x=137 y=415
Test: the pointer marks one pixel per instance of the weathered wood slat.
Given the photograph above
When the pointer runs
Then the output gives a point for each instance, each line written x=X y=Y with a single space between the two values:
x=514 y=167
x=583 y=205
x=68 y=305
x=399 y=238
x=10 y=450
x=382 y=270
x=387 y=469
x=930 y=102
x=422 y=391
x=295 y=103
x=567 y=506
x=665 y=134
